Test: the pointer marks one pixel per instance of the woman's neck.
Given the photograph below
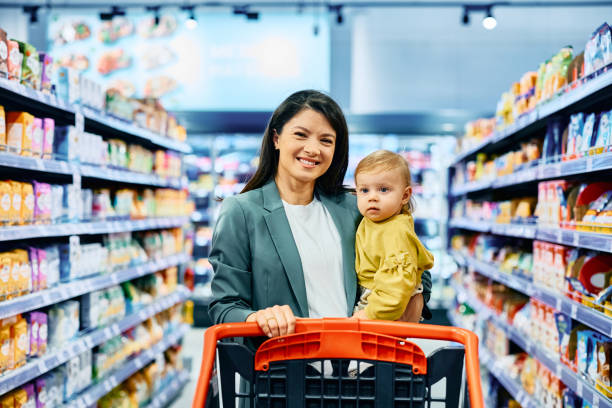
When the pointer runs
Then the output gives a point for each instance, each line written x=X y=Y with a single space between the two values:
x=293 y=191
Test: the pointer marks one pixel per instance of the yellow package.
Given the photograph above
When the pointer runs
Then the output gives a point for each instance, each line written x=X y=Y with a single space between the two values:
x=19 y=132
x=15 y=278
x=21 y=341
x=21 y=398
x=5 y=347
x=25 y=271
x=6 y=264
x=15 y=210
x=27 y=203
x=5 y=202
x=8 y=401
x=2 y=129
x=9 y=322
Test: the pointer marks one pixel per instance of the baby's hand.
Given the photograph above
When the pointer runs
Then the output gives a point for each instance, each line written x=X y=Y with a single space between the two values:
x=360 y=314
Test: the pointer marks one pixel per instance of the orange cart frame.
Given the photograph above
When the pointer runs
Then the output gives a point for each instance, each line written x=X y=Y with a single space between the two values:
x=342 y=338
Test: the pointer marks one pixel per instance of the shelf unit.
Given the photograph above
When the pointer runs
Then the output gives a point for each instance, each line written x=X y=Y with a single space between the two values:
x=89 y=228
x=580 y=239
x=89 y=396
x=584 y=95
x=170 y=391
x=39 y=366
x=65 y=291
x=19 y=97
x=574 y=381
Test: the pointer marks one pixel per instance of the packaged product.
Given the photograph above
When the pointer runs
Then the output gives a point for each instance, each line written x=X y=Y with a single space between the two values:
x=33 y=254
x=33 y=326
x=2 y=129
x=37 y=137
x=66 y=142
x=574 y=134
x=604 y=133
x=15 y=59
x=588 y=132
x=5 y=202
x=49 y=390
x=19 y=132
x=584 y=350
x=41 y=320
x=25 y=270
x=63 y=320
x=5 y=347
x=21 y=341
x=15 y=278
x=46 y=73
x=42 y=206
x=53 y=266
x=8 y=401
x=3 y=54
x=48 y=137
x=31 y=395
x=6 y=265
x=57 y=196
x=27 y=203
x=30 y=68
x=598 y=50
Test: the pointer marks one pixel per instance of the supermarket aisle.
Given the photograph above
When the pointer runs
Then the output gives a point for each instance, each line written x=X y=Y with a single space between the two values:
x=192 y=349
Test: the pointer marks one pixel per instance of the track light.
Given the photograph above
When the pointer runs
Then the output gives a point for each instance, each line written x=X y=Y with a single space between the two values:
x=115 y=11
x=489 y=22
x=33 y=12
x=244 y=10
x=315 y=30
x=191 y=21
x=155 y=10
x=252 y=15
x=338 y=10
x=466 y=16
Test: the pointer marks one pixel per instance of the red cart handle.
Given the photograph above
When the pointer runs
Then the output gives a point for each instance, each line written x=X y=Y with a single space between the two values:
x=388 y=328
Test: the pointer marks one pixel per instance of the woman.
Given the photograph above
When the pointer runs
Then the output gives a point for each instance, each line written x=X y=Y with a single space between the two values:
x=285 y=246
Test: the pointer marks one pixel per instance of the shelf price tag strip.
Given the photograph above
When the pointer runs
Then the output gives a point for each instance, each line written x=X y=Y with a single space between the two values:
x=31 y=370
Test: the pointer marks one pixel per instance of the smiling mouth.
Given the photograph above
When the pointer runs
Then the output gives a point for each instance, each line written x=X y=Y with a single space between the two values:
x=307 y=163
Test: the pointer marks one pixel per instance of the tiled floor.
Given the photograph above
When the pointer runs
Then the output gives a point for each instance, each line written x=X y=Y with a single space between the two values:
x=192 y=348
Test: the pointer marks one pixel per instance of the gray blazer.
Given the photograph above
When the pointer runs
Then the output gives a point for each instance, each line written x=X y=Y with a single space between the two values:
x=256 y=260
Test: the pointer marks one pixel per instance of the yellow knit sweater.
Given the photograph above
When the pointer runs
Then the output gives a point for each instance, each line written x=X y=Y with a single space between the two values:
x=389 y=260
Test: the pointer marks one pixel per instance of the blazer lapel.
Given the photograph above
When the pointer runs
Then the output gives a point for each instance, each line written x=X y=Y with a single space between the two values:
x=346 y=230
x=281 y=235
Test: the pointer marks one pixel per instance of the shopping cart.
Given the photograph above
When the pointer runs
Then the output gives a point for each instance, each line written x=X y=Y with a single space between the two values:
x=311 y=368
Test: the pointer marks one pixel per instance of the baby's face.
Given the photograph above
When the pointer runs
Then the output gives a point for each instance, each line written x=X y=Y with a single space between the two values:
x=381 y=194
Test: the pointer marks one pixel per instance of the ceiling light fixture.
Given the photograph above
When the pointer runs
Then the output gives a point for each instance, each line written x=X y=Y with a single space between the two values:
x=155 y=10
x=489 y=22
x=191 y=22
x=465 y=19
x=33 y=12
x=115 y=12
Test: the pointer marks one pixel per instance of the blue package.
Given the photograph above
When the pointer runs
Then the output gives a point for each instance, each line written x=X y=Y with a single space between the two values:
x=570 y=399
x=588 y=133
x=604 y=134
x=574 y=134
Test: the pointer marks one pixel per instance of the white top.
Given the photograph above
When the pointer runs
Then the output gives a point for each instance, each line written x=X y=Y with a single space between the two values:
x=318 y=244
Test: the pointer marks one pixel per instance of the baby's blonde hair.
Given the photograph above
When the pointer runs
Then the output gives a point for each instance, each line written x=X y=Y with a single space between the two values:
x=384 y=160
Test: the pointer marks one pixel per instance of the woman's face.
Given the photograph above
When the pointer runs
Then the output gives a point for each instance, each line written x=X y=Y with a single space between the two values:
x=306 y=146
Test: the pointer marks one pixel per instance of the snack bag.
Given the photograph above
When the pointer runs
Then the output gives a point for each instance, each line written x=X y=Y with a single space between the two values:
x=6 y=265
x=5 y=202
x=27 y=203
x=15 y=59
x=42 y=207
x=25 y=271
x=2 y=128
x=37 y=137
x=5 y=347
x=15 y=211
x=46 y=73
x=19 y=132
x=3 y=54
x=21 y=341
x=48 y=136
x=30 y=68
x=33 y=254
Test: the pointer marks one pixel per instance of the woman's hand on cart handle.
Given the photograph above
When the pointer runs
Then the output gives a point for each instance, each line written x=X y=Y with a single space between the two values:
x=274 y=321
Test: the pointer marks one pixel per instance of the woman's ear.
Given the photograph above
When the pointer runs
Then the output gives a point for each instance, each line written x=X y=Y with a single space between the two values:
x=406 y=195
x=275 y=138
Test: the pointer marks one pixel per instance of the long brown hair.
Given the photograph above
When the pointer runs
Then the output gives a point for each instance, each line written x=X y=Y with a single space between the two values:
x=331 y=181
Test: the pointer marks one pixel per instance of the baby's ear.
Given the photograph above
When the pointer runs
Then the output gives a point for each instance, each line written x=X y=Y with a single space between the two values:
x=407 y=194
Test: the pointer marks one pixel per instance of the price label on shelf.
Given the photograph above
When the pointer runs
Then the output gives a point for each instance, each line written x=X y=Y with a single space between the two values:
x=595 y=401
x=574 y=311
x=579 y=387
x=610 y=242
x=589 y=163
x=559 y=302
x=559 y=236
x=558 y=370
x=576 y=237
x=42 y=367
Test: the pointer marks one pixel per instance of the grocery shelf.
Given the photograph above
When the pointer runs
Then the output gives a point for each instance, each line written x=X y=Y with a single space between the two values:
x=598 y=82
x=79 y=287
x=39 y=366
x=471 y=187
x=170 y=391
x=86 y=170
x=580 y=386
x=200 y=217
x=577 y=311
x=89 y=228
x=518 y=177
x=112 y=124
x=32 y=97
x=512 y=386
x=581 y=239
x=57 y=106
x=92 y=394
